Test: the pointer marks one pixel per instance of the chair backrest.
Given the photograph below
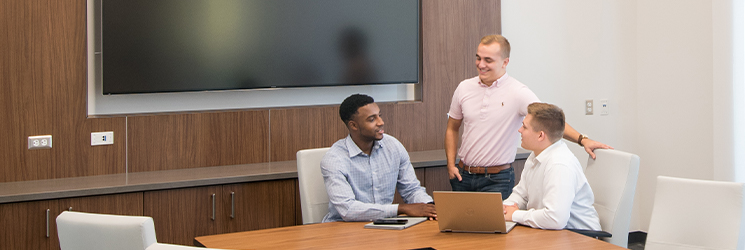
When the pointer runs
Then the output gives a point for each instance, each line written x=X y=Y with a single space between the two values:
x=612 y=176
x=83 y=231
x=696 y=214
x=314 y=201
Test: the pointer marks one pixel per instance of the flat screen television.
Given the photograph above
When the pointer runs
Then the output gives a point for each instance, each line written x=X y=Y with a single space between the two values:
x=152 y=46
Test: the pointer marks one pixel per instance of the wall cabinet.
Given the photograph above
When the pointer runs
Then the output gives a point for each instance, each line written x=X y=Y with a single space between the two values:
x=182 y=214
x=179 y=214
x=260 y=205
x=25 y=225
x=31 y=225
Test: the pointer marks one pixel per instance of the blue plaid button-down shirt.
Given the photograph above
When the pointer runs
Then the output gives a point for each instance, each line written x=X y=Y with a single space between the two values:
x=361 y=187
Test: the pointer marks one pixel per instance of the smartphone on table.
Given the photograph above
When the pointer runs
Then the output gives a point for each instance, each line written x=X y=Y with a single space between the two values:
x=390 y=221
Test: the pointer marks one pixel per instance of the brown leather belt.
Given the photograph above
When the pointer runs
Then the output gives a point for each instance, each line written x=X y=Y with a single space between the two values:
x=483 y=170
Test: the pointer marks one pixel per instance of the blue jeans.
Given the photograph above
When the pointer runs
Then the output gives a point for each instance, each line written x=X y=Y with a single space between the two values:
x=500 y=182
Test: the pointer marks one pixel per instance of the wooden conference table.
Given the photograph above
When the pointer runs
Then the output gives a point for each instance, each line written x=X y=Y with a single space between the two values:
x=352 y=235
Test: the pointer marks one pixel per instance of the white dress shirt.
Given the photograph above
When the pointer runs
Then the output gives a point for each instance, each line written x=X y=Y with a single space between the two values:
x=553 y=192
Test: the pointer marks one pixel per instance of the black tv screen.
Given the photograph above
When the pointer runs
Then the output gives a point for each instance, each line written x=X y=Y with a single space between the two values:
x=151 y=46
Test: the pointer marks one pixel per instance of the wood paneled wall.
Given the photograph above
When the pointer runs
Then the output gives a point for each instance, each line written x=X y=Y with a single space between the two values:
x=43 y=75
x=163 y=142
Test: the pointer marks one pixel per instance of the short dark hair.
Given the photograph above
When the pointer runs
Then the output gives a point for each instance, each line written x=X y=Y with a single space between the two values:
x=350 y=106
x=547 y=118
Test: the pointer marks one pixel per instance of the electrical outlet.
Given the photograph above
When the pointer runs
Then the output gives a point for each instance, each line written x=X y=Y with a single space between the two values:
x=102 y=138
x=40 y=142
x=604 y=107
x=589 y=108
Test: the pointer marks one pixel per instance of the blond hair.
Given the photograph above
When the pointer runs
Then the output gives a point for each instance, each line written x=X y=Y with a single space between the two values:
x=504 y=45
x=547 y=118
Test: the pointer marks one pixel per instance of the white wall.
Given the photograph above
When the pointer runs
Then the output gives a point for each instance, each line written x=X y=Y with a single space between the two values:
x=675 y=71
x=670 y=89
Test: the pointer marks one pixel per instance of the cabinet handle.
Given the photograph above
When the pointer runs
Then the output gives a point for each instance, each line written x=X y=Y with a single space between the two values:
x=232 y=205
x=47 y=222
x=213 y=206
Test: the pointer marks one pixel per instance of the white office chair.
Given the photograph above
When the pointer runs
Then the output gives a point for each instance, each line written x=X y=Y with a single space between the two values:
x=612 y=176
x=89 y=231
x=314 y=201
x=83 y=231
x=696 y=214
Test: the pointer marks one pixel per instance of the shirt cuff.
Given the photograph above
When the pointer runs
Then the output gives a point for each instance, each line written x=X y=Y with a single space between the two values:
x=518 y=215
x=391 y=211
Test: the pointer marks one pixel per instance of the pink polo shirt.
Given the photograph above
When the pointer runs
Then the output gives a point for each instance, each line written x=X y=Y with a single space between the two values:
x=491 y=116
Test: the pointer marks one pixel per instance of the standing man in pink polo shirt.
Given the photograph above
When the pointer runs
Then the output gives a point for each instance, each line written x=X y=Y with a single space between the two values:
x=492 y=107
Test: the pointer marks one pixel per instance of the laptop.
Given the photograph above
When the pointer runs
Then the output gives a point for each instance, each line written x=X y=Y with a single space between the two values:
x=472 y=212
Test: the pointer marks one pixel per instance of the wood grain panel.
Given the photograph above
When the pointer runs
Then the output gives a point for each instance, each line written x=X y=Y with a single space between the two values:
x=119 y=204
x=43 y=72
x=25 y=225
x=303 y=128
x=437 y=179
x=298 y=208
x=451 y=31
x=182 y=214
x=74 y=156
x=259 y=205
x=518 y=165
x=97 y=160
x=27 y=84
x=66 y=76
x=176 y=141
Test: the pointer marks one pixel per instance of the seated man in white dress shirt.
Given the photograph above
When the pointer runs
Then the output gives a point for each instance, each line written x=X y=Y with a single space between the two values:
x=553 y=192
x=363 y=170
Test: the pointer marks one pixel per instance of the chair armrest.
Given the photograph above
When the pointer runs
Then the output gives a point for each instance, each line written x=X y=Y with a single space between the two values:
x=592 y=233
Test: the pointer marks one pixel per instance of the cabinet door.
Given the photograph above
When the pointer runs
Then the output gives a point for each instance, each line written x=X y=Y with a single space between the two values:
x=437 y=179
x=260 y=205
x=182 y=214
x=518 y=165
x=119 y=204
x=24 y=225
